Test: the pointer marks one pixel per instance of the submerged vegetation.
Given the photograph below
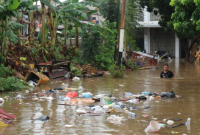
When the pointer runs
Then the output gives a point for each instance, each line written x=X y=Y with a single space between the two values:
x=117 y=71
x=8 y=82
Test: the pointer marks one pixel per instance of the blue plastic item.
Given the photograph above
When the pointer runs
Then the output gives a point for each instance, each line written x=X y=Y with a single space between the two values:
x=139 y=64
x=87 y=96
x=50 y=91
x=145 y=93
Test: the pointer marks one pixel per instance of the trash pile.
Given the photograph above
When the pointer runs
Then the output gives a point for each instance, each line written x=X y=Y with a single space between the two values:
x=116 y=109
x=6 y=119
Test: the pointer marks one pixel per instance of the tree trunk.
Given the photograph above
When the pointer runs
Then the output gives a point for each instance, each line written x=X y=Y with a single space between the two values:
x=19 y=30
x=77 y=45
x=43 y=40
x=1 y=32
x=65 y=32
x=196 y=39
x=51 y=22
x=70 y=39
x=32 y=28
x=4 y=43
x=53 y=40
x=186 y=48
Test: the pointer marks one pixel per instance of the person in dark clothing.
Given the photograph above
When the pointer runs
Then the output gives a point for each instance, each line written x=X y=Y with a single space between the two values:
x=166 y=73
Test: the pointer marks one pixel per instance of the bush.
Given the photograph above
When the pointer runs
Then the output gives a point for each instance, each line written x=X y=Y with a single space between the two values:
x=8 y=82
x=98 y=44
x=5 y=71
x=133 y=64
x=116 y=71
x=75 y=70
x=11 y=84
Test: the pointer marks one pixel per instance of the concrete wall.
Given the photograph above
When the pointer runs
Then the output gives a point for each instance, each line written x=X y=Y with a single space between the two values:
x=154 y=17
x=73 y=41
x=160 y=40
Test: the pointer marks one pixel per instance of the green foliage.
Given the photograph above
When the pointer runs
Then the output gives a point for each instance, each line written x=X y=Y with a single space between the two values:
x=184 y=18
x=13 y=4
x=39 y=36
x=73 y=33
x=15 y=26
x=117 y=71
x=12 y=37
x=163 y=8
x=2 y=59
x=132 y=45
x=76 y=59
x=90 y=42
x=8 y=82
x=57 y=53
x=131 y=19
x=108 y=8
x=5 y=71
x=75 y=70
x=98 y=44
x=12 y=84
x=133 y=64
x=104 y=58
x=180 y=16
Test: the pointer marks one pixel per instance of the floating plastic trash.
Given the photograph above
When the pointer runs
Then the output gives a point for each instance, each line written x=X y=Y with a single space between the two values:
x=145 y=93
x=170 y=122
x=153 y=127
x=71 y=94
x=76 y=79
x=115 y=119
x=68 y=126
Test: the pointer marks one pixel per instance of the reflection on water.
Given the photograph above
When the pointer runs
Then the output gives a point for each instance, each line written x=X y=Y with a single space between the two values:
x=186 y=84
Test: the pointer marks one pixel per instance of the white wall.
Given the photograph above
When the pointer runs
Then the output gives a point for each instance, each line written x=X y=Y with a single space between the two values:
x=147 y=40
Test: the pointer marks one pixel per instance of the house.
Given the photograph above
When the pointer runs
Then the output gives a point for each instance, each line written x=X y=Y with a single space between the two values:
x=96 y=17
x=154 y=37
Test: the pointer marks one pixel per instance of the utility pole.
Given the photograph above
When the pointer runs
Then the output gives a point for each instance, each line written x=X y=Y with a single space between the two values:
x=121 y=40
x=117 y=19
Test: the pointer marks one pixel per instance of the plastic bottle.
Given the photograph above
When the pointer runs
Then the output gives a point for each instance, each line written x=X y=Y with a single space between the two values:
x=114 y=106
x=128 y=94
x=120 y=104
x=133 y=101
x=43 y=91
x=131 y=115
x=151 y=98
x=98 y=110
x=102 y=101
x=106 y=107
x=188 y=123
x=65 y=98
x=92 y=108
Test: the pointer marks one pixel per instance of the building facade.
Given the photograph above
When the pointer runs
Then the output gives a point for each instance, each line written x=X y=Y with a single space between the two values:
x=155 y=38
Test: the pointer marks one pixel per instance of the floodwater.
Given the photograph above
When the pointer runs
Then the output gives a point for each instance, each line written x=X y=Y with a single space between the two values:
x=186 y=83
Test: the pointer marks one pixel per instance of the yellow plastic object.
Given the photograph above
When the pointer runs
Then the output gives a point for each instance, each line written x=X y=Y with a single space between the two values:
x=31 y=66
x=41 y=79
x=2 y=124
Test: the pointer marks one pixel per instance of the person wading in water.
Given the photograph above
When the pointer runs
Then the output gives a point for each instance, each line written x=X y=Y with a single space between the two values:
x=166 y=73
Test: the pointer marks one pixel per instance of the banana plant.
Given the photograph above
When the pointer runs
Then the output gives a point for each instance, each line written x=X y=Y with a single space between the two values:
x=8 y=10
x=27 y=6
x=69 y=11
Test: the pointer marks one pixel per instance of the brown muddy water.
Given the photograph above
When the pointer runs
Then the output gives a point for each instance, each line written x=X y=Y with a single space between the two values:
x=186 y=84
